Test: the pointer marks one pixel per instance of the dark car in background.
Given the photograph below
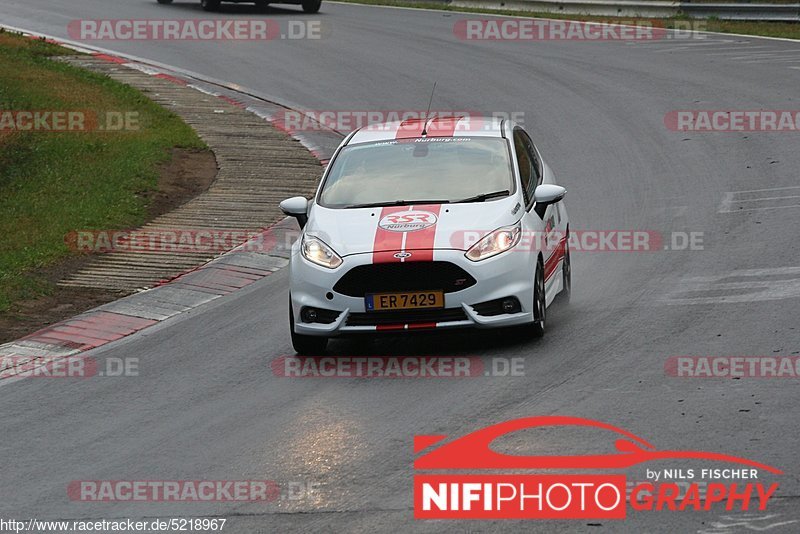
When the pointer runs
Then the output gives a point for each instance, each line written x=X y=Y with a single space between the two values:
x=309 y=6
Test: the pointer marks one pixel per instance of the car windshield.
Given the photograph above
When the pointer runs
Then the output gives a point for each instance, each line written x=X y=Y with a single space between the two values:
x=430 y=170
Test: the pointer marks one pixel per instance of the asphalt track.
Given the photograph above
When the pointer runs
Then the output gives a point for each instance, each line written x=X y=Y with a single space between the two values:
x=207 y=405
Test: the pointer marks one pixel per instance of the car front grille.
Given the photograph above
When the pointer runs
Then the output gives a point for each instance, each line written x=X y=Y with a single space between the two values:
x=403 y=276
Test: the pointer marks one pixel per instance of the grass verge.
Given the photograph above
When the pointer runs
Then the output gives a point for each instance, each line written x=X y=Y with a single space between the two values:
x=788 y=30
x=54 y=182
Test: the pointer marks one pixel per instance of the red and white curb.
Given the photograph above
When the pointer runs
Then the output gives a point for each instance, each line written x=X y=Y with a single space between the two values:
x=234 y=270
x=111 y=322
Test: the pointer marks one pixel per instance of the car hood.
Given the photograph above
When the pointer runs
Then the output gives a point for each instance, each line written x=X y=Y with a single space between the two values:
x=408 y=228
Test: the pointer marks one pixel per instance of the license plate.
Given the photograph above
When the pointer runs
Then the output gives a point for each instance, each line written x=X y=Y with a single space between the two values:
x=407 y=300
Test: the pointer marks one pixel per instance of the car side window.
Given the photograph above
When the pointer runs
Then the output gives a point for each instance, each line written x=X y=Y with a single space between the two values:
x=524 y=163
x=537 y=165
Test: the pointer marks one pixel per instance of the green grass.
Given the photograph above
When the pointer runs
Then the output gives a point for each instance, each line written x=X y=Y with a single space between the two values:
x=788 y=30
x=53 y=183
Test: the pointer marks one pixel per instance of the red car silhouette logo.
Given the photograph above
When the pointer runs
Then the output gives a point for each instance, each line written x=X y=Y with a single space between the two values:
x=474 y=451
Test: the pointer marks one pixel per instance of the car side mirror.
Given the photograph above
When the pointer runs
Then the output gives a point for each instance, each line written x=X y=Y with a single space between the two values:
x=296 y=207
x=547 y=194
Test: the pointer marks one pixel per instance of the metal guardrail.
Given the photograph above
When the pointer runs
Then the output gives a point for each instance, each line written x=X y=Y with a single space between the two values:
x=602 y=8
x=643 y=8
x=765 y=12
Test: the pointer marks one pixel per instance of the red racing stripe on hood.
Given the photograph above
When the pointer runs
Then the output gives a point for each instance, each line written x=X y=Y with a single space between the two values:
x=421 y=242
x=391 y=245
x=387 y=243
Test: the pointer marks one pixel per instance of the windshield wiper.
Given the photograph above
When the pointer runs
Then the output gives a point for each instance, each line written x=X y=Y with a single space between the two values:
x=484 y=196
x=476 y=198
x=396 y=203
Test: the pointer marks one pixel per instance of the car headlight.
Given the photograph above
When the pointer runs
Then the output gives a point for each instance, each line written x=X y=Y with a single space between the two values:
x=496 y=242
x=316 y=251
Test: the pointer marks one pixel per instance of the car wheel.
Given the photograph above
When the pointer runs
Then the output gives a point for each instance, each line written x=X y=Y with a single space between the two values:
x=302 y=344
x=311 y=6
x=539 y=302
x=210 y=5
x=164 y=1
x=566 y=273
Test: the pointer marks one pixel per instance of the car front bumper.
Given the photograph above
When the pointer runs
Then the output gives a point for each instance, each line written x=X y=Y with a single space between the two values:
x=509 y=274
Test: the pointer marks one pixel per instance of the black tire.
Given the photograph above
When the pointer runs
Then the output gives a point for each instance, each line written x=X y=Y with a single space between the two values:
x=210 y=5
x=305 y=345
x=311 y=6
x=566 y=273
x=539 y=302
x=262 y=4
x=164 y=1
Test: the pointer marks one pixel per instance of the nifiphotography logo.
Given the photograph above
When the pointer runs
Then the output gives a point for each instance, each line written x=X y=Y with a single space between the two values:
x=455 y=495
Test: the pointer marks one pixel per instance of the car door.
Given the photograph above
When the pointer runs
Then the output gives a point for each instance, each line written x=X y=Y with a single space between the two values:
x=554 y=224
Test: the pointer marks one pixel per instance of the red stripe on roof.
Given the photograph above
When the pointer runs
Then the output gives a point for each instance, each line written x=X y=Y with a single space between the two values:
x=410 y=128
x=442 y=127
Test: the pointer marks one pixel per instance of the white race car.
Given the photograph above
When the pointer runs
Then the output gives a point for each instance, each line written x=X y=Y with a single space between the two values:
x=428 y=224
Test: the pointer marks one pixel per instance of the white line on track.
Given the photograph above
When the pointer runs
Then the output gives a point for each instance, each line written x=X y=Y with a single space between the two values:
x=772 y=55
x=767 y=189
x=761 y=209
x=758 y=285
x=737 y=50
x=731 y=203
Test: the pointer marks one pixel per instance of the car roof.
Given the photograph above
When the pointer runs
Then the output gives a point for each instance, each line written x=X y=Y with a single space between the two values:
x=450 y=126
